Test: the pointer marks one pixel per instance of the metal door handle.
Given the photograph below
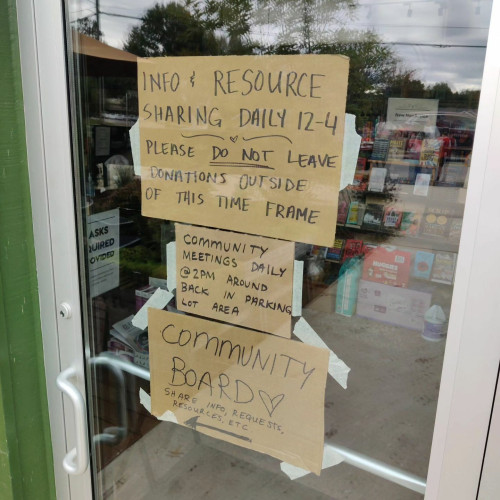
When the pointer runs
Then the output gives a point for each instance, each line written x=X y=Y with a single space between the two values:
x=114 y=435
x=76 y=461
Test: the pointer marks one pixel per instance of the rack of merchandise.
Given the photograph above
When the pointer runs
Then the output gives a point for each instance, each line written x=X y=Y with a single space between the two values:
x=398 y=226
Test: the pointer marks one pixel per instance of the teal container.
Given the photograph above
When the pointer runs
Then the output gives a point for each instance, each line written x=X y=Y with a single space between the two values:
x=347 y=286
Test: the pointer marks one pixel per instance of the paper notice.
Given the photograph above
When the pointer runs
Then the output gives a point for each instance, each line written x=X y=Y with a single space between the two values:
x=251 y=389
x=103 y=242
x=246 y=143
x=233 y=277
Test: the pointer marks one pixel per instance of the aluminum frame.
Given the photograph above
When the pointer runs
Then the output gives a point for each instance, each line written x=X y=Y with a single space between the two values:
x=44 y=80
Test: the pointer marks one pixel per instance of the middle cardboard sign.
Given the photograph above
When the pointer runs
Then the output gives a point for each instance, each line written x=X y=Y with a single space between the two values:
x=233 y=277
x=246 y=143
x=251 y=389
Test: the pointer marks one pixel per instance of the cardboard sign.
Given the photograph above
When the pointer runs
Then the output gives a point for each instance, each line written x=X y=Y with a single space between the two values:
x=251 y=389
x=235 y=277
x=103 y=252
x=248 y=143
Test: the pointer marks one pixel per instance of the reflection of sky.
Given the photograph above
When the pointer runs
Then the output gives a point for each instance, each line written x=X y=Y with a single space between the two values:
x=442 y=40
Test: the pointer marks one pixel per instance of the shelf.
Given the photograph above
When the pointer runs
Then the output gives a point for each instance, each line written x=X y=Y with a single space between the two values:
x=401 y=240
x=398 y=162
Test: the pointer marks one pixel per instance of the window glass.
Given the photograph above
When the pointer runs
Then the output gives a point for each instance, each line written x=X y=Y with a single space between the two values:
x=379 y=297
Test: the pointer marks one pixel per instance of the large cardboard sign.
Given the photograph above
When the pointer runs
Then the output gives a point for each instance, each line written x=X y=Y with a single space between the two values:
x=248 y=143
x=103 y=251
x=252 y=389
x=235 y=277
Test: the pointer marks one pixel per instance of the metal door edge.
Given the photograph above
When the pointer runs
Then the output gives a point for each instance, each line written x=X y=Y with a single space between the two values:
x=44 y=79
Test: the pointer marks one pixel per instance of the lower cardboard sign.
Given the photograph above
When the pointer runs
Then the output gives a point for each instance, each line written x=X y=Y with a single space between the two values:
x=255 y=390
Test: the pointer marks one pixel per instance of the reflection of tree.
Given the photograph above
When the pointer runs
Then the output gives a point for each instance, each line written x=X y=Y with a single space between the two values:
x=372 y=69
x=89 y=27
x=232 y=17
x=213 y=27
x=302 y=24
x=170 y=30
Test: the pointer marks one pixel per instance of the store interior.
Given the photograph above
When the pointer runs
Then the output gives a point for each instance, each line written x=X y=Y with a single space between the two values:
x=379 y=297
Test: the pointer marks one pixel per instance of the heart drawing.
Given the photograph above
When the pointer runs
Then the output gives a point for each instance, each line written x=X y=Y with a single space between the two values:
x=270 y=403
x=234 y=138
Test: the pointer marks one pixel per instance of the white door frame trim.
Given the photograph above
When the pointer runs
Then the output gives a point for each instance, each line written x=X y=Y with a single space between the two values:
x=44 y=79
x=473 y=345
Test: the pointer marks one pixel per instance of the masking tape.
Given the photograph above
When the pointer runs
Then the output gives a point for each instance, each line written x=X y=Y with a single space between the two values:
x=298 y=273
x=145 y=400
x=330 y=458
x=171 y=266
x=135 y=145
x=336 y=367
x=158 y=300
x=350 y=151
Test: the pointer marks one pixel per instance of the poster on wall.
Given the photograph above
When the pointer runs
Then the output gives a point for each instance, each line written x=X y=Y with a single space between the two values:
x=235 y=277
x=245 y=143
x=103 y=251
x=255 y=390
x=418 y=115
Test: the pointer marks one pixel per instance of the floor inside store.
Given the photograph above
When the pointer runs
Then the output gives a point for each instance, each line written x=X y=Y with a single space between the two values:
x=386 y=413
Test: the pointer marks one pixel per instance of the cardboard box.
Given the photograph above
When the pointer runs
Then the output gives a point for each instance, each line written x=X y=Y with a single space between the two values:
x=388 y=265
x=402 y=307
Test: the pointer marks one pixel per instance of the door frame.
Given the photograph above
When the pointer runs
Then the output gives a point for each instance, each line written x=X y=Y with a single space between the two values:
x=473 y=347
x=472 y=352
x=44 y=79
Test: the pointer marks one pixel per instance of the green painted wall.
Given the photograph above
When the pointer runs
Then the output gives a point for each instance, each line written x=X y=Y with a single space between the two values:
x=26 y=468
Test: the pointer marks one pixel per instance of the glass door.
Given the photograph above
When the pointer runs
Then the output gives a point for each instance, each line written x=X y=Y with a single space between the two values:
x=396 y=86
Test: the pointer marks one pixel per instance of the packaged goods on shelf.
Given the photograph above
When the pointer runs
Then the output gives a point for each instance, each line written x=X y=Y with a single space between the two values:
x=422 y=264
x=401 y=307
x=352 y=249
x=410 y=223
x=335 y=253
x=373 y=216
x=397 y=148
x=443 y=270
x=347 y=287
x=356 y=212
x=377 y=180
x=388 y=265
x=392 y=218
x=343 y=207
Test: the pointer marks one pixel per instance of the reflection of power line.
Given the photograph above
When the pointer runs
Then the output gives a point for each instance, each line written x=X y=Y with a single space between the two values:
x=415 y=44
x=404 y=2
x=426 y=26
x=81 y=10
x=114 y=14
x=98 y=13
x=437 y=45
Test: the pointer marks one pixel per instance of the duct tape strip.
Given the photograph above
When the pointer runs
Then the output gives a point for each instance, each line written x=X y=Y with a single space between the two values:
x=145 y=400
x=171 y=266
x=330 y=458
x=298 y=275
x=135 y=145
x=336 y=367
x=158 y=300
